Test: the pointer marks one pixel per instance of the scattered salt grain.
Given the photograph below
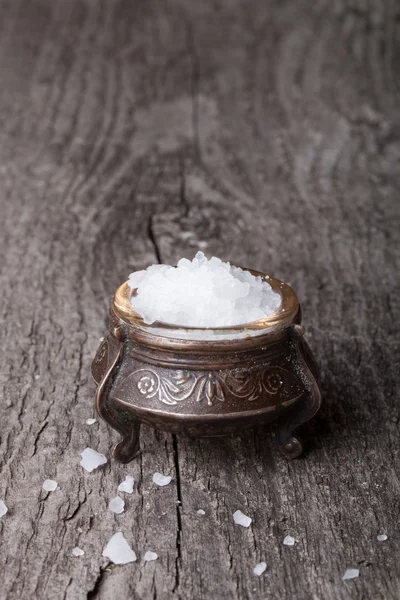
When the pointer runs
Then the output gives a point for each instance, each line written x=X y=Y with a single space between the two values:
x=3 y=509
x=77 y=551
x=201 y=293
x=382 y=537
x=161 y=480
x=259 y=568
x=118 y=550
x=241 y=519
x=127 y=485
x=351 y=574
x=149 y=556
x=49 y=485
x=90 y=421
x=92 y=459
x=37 y=377
x=201 y=511
x=288 y=541
x=116 y=505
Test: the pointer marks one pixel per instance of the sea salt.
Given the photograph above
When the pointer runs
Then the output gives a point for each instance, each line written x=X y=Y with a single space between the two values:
x=259 y=568
x=288 y=541
x=149 y=556
x=241 y=519
x=201 y=293
x=116 y=505
x=127 y=485
x=351 y=574
x=382 y=537
x=77 y=551
x=49 y=485
x=90 y=421
x=118 y=550
x=3 y=509
x=161 y=480
x=201 y=511
x=92 y=459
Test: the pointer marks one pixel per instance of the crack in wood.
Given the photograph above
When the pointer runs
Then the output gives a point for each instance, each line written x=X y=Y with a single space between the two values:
x=152 y=238
x=99 y=582
x=179 y=507
x=37 y=436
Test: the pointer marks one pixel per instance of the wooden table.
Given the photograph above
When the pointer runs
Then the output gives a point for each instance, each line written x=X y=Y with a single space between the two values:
x=261 y=131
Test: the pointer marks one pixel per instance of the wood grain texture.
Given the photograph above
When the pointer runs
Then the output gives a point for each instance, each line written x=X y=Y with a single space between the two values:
x=265 y=132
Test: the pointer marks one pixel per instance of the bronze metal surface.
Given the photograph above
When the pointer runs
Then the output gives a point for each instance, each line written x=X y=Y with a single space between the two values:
x=205 y=387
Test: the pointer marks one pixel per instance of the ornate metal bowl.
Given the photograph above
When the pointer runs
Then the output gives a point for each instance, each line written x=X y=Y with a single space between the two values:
x=221 y=382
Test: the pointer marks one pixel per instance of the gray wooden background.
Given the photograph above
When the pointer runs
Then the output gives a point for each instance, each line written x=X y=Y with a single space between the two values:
x=264 y=132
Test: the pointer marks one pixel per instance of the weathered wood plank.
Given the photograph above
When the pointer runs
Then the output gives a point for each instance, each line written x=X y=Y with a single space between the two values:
x=265 y=133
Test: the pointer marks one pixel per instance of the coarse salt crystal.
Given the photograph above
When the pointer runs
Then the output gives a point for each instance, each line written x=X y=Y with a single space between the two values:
x=201 y=293
x=49 y=485
x=201 y=511
x=259 y=568
x=77 y=551
x=92 y=459
x=116 y=505
x=90 y=421
x=127 y=485
x=382 y=537
x=241 y=519
x=288 y=541
x=161 y=480
x=351 y=574
x=118 y=550
x=3 y=509
x=149 y=556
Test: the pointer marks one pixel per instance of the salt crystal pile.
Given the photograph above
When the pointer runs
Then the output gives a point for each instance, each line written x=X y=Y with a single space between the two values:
x=201 y=293
x=241 y=519
x=118 y=550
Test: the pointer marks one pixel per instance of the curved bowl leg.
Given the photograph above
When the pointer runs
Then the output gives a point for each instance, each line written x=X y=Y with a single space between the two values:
x=111 y=411
x=288 y=443
x=129 y=446
x=303 y=362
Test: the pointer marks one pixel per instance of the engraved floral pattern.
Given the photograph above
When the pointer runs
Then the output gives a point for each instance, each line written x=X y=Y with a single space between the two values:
x=146 y=385
x=273 y=383
x=212 y=387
